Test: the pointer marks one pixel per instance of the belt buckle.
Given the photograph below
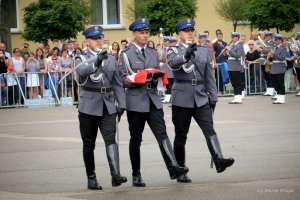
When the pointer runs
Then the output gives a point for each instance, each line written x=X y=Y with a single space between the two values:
x=148 y=85
x=103 y=90
x=194 y=81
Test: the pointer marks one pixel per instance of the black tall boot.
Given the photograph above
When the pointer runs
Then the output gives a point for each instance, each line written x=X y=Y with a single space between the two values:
x=112 y=153
x=221 y=163
x=175 y=170
x=135 y=158
x=88 y=158
x=180 y=157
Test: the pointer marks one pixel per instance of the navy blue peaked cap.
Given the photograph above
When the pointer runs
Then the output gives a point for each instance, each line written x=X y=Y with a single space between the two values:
x=139 y=24
x=185 y=24
x=93 y=31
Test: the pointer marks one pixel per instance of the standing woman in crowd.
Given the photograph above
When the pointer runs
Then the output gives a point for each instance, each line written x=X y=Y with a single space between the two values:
x=3 y=62
x=67 y=65
x=53 y=66
x=3 y=70
x=252 y=56
x=32 y=66
x=39 y=56
x=151 y=44
x=115 y=50
x=18 y=64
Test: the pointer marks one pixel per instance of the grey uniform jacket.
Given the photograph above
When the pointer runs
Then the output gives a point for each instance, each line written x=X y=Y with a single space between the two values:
x=278 y=65
x=235 y=59
x=91 y=102
x=138 y=97
x=166 y=68
x=185 y=94
x=264 y=52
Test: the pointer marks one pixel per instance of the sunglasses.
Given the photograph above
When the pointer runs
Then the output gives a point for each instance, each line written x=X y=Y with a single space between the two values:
x=250 y=44
x=17 y=51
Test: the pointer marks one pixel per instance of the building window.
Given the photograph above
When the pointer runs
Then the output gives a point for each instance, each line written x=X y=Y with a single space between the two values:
x=106 y=13
x=11 y=14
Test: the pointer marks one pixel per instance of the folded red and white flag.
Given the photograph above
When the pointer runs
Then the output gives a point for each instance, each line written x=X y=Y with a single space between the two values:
x=141 y=77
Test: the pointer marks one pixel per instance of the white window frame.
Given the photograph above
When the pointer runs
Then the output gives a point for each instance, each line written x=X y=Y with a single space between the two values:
x=17 y=29
x=111 y=26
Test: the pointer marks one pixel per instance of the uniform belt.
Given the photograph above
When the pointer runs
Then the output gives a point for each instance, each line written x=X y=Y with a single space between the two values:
x=232 y=58
x=192 y=82
x=101 y=90
x=278 y=61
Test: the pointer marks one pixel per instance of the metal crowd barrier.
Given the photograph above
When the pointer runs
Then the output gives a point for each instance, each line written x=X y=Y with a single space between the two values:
x=254 y=78
x=16 y=92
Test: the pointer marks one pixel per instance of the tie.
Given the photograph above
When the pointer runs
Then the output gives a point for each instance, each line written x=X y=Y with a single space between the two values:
x=143 y=52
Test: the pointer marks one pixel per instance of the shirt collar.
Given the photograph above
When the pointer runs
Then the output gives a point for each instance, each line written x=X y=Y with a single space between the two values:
x=139 y=48
x=185 y=45
x=237 y=42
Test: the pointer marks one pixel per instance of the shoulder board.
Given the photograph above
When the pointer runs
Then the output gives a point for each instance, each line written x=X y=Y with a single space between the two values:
x=172 y=50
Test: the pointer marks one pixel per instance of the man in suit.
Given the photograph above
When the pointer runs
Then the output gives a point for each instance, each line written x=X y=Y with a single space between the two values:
x=143 y=102
x=278 y=68
x=194 y=94
x=236 y=67
x=100 y=84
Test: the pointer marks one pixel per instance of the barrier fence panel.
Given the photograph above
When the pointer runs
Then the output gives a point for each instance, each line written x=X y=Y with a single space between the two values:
x=254 y=79
x=36 y=89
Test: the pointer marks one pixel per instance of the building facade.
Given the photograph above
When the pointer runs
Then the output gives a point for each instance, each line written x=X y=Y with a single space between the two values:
x=112 y=15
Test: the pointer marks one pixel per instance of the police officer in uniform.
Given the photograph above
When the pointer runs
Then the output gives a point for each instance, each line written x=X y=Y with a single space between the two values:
x=194 y=85
x=278 y=68
x=172 y=45
x=143 y=102
x=236 y=67
x=263 y=59
x=101 y=83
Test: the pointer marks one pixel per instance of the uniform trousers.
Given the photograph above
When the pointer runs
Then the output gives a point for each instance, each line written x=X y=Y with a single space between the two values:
x=170 y=85
x=182 y=117
x=268 y=77
x=89 y=125
x=279 y=83
x=236 y=80
x=219 y=80
x=136 y=121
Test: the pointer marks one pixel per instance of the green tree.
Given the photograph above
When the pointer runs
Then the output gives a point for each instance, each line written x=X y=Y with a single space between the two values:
x=55 y=19
x=165 y=14
x=136 y=9
x=279 y=14
x=232 y=10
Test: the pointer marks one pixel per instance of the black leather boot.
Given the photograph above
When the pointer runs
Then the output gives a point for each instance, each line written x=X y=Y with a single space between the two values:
x=135 y=158
x=88 y=158
x=175 y=170
x=137 y=181
x=221 y=163
x=180 y=157
x=112 y=153
x=93 y=183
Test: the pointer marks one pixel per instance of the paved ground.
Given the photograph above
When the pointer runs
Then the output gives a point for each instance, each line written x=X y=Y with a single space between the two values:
x=40 y=156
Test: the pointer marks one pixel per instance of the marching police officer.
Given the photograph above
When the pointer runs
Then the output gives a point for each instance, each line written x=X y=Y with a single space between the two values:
x=236 y=67
x=101 y=83
x=172 y=44
x=264 y=60
x=278 y=68
x=194 y=85
x=143 y=102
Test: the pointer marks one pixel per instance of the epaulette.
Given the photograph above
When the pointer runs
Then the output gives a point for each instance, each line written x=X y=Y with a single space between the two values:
x=126 y=49
x=172 y=49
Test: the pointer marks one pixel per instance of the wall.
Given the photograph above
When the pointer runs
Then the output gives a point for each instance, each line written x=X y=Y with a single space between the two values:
x=206 y=19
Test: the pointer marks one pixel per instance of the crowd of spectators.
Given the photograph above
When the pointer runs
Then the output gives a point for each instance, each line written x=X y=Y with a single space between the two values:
x=27 y=73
